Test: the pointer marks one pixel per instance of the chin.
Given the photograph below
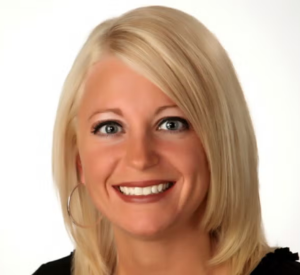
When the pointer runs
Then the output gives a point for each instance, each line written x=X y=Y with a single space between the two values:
x=145 y=228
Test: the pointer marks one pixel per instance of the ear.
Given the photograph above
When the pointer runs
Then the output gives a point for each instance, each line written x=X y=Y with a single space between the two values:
x=79 y=169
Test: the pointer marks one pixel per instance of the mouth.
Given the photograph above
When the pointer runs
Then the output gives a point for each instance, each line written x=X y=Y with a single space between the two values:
x=145 y=191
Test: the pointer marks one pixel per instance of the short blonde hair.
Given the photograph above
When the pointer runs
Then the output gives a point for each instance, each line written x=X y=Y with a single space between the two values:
x=185 y=60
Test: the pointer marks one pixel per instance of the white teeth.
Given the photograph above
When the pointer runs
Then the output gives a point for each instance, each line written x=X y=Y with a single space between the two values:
x=144 y=191
x=160 y=187
x=138 y=191
x=154 y=189
x=130 y=191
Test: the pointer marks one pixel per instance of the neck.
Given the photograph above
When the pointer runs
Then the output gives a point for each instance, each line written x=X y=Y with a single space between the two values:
x=184 y=252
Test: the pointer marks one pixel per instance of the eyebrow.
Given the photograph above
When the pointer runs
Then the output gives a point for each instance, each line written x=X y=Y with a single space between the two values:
x=120 y=113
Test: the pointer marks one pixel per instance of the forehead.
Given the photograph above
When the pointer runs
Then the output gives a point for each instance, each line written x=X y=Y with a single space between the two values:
x=110 y=80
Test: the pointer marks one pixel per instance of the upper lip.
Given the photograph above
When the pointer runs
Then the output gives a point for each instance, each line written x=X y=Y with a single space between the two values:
x=143 y=183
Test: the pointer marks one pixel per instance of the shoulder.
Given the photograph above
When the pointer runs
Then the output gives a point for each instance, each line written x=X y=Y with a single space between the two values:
x=280 y=262
x=58 y=267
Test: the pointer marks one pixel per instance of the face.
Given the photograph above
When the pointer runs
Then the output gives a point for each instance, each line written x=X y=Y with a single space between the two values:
x=143 y=165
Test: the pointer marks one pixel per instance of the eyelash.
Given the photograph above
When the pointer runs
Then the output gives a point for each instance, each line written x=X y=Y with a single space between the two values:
x=99 y=125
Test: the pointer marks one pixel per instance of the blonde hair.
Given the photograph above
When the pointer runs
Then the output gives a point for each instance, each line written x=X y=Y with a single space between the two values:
x=185 y=60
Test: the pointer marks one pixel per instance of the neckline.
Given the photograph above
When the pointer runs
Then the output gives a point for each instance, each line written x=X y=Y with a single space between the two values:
x=278 y=255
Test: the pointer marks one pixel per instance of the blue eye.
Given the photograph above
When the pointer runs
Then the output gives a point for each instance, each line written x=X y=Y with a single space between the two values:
x=112 y=128
x=107 y=128
x=175 y=124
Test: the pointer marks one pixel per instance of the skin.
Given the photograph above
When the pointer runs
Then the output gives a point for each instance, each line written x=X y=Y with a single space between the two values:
x=162 y=237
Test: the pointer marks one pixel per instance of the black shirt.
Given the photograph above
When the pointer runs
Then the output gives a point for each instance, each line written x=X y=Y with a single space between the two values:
x=279 y=262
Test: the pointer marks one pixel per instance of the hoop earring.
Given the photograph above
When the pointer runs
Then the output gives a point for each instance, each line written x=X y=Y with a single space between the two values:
x=70 y=214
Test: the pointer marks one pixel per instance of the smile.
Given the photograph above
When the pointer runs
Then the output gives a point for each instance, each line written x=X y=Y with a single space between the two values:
x=145 y=191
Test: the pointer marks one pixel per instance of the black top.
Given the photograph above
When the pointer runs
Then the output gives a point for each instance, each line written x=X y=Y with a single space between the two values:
x=279 y=262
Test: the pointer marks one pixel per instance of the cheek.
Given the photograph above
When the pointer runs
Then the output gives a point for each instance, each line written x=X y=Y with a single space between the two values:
x=98 y=163
x=190 y=161
x=198 y=168
x=189 y=158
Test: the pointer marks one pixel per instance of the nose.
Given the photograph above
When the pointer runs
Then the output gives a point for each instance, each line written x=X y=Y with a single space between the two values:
x=140 y=152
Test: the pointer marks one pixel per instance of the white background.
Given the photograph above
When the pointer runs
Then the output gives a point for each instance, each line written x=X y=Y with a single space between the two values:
x=38 y=43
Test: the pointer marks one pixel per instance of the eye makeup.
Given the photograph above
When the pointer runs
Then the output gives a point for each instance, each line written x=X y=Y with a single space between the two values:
x=170 y=122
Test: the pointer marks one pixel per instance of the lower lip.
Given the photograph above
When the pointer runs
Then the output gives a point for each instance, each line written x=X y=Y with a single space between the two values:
x=143 y=199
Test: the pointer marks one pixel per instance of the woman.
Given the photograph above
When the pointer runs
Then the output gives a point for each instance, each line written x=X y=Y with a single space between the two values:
x=155 y=156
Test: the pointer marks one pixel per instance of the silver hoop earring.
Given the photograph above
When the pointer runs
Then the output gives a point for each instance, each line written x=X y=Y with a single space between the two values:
x=70 y=214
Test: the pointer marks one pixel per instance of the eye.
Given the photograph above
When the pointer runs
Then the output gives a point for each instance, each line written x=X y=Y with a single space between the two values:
x=107 y=128
x=174 y=124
